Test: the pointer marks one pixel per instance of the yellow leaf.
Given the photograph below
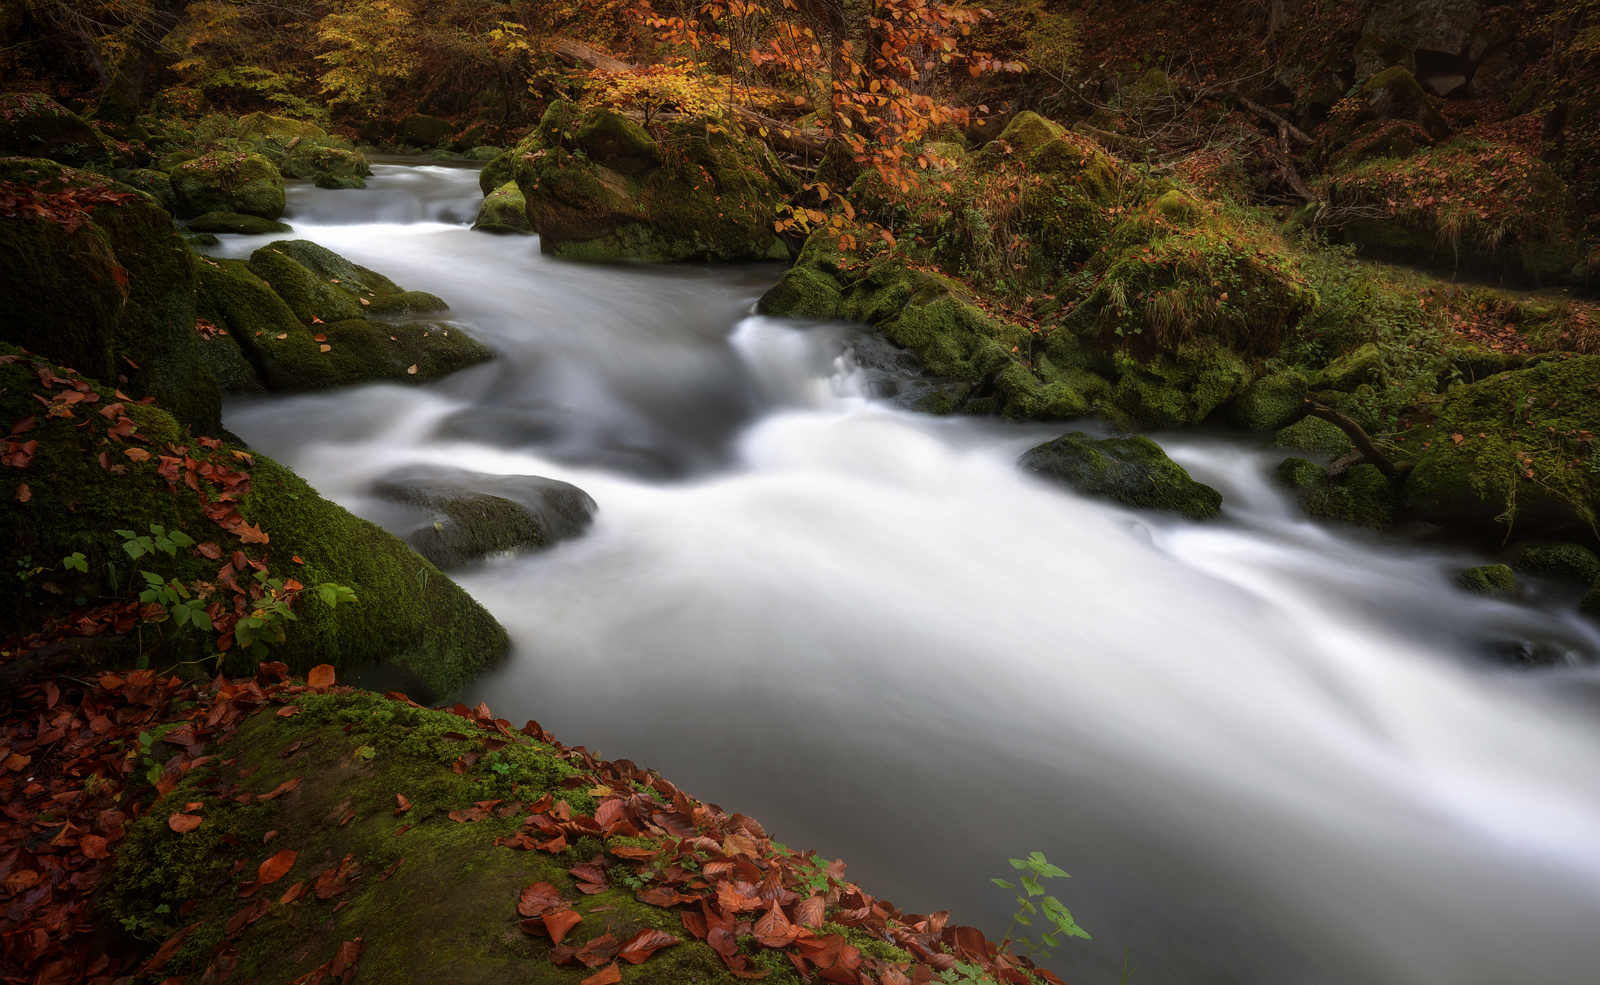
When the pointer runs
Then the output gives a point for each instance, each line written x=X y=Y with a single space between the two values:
x=412 y=369
x=326 y=348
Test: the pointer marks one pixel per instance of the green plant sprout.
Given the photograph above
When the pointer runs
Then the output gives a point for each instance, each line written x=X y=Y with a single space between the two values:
x=1034 y=868
x=159 y=539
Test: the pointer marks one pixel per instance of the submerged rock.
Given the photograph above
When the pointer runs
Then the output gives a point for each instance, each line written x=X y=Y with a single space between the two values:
x=1493 y=580
x=1133 y=471
x=232 y=222
x=1361 y=495
x=474 y=515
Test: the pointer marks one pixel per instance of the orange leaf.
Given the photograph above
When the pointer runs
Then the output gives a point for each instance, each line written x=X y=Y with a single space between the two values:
x=251 y=535
x=645 y=943
x=23 y=492
x=321 y=675
x=557 y=924
x=183 y=823
x=137 y=454
x=412 y=369
x=609 y=975
x=539 y=899
x=276 y=867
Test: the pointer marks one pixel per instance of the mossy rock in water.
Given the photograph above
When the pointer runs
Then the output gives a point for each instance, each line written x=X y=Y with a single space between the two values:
x=1271 y=402
x=1534 y=468
x=420 y=890
x=426 y=131
x=228 y=182
x=34 y=125
x=1493 y=580
x=327 y=165
x=484 y=152
x=504 y=210
x=309 y=296
x=154 y=183
x=409 y=614
x=405 y=303
x=598 y=187
x=471 y=515
x=1361 y=365
x=232 y=222
x=1554 y=559
x=1314 y=434
x=1361 y=495
x=1171 y=389
x=1133 y=471
x=113 y=298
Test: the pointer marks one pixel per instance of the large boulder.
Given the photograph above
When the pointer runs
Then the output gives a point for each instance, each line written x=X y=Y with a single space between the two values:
x=228 y=181
x=598 y=187
x=1132 y=471
x=504 y=210
x=1361 y=494
x=469 y=516
x=109 y=293
x=34 y=125
x=103 y=464
x=1514 y=452
x=301 y=316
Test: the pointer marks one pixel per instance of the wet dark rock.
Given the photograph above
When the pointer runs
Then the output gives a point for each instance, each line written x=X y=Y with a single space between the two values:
x=474 y=515
x=1133 y=471
x=1493 y=580
x=233 y=222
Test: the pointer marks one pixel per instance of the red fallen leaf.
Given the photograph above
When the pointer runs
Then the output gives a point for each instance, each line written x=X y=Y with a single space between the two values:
x=561 y=953
x=645 y=943
x=405 y=805
x=93 y=846
x=250 y=535
x=540 y=898
x=598 y=951
x=296 y=559
x=276 y=867
x=733 y=901
x=664 y=897
x=559 y=923
x=588 y=872
x=347 y=819
x=628 y=851
x=23 y=492
x=283 y=788
x=391 y=870
x=336 y=879
x=609 y=975
x=137 y=454
x=183 y=823
x=809 y=912
x=288 y=711
x=208 y=550
x=267 y=838
x=25 y=425
x=247 y=916
x=774 y=929
x=166 y=951
x=694 y=923
x=403 y=829
x=321 y=675
x=469 y=814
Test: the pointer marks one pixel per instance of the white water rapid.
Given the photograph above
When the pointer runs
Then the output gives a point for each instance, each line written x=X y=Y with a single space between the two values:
x=1268 y=750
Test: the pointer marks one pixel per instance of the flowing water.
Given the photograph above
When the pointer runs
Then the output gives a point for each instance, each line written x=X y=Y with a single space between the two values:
x=1269 y=751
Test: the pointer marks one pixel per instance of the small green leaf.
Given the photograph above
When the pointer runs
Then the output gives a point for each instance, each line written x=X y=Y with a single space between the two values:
x=365 y=752
x=1003 y=884
x=180 y=538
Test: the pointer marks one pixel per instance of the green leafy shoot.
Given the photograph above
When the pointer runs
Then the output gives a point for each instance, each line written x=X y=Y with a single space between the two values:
x=1032 y=901
x=159 y=539
x=77 y=562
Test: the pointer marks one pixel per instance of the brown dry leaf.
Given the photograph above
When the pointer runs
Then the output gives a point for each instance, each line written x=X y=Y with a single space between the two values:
x=183 y=823
x=469 y=814
x=412 y=369
x=404 y=804
x=774 y=929
x=23 y=492
x=276 y=867
x=325 y=348
x=137 y=454
x=559 y=923
x=609 y=975
x=292 y=893
x=391 y=870
x=321 y=675
x=288 y=711
x=645 y=943
x=809 y=912
x=282 y=788
x=540 y=898
x=208 y=550
x=319 y=337
x=284 y=336
x=598 y=951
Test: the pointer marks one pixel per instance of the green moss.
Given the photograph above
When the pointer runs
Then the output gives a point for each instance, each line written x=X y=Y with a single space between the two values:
x=1133 y=471
x=1313 y=434
x=425 y=131
x=1363 y=365
x=1494 y=580
x=34 y=125
x=1271 y=402
x=1554 y=559
x=1531 y=421
x=155 y=184
x=307 y=294
x=325 y=163
x=264 y=125
x=232 y=222
x=228 y=182
x=504 y=210
x=616 y=142
x=1362 y=495
x=470 y=923
x=226 y=362
x=405 y=303
x=409 y=615
x=1176 y=388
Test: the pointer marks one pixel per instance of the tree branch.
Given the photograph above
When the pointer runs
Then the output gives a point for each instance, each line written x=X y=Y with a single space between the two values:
x=1358 y=437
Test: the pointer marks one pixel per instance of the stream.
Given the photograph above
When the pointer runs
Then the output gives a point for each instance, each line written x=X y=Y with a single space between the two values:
x=1268 y=750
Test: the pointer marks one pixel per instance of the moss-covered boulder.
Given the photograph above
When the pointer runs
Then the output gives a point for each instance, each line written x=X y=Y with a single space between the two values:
x=1363 y=364
x=468 y=516
x=1554 y=559
x=306 y=318
x=34 y=125
x=228 y=182
x=504 y=210
x=1514 y=451
x=425 y=131
x=113 y=297
x=154 y=183
x=265 y=126
x=1272 y=402
x=1361 y=495
x=103 y=464
x=232 y=222
x=1313 y=434
x=1492 y=580
x=1132 y=471
x=598 y=187
x=325 y=164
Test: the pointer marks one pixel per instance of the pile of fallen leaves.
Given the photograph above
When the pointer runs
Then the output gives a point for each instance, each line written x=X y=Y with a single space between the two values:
x=77 y=766
x=69 y=207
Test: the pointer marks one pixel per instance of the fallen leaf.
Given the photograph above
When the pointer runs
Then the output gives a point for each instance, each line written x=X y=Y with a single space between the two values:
x=93 y=846
x=283 y=788
x=645 y=943
x=321 y=676
x=284 y=335
x=325 y=348
x=405 y=805
x=23 y=492
x=319 y=337
x=183 y=823
x=412 y=369
x=469 y=814
x=137 y=454
x=609 y=975
x=288 y=711
x=540 y=898
x=276 y=867
x=293 y=892
x=559 y=923
x=390 y=871
x=403 y=829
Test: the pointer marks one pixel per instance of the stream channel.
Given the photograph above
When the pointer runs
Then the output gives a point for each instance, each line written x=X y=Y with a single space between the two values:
x=1268 y=750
